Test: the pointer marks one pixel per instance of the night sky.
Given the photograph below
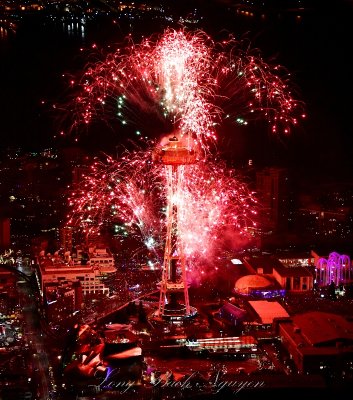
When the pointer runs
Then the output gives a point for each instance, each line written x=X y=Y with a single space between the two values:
x=317 y=50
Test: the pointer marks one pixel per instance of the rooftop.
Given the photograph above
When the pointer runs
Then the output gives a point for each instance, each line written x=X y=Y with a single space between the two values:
x=320 y=328
x=268 y=310
x=270 y=263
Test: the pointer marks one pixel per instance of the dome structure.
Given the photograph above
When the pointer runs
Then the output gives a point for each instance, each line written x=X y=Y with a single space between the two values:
x=252 y=283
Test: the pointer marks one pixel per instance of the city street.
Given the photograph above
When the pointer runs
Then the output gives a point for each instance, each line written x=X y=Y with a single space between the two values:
x=37 y=344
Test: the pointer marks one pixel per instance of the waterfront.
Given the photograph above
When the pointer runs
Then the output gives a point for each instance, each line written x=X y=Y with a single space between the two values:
x=39 y=59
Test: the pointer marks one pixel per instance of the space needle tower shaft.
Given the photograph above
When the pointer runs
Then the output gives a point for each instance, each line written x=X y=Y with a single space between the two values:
x=174 y=297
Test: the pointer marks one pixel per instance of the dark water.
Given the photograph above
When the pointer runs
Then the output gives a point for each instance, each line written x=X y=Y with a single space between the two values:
x=316 y=48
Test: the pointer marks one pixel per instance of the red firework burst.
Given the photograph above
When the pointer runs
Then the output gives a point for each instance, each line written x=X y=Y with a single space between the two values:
x=132 y=193
x=191 y=83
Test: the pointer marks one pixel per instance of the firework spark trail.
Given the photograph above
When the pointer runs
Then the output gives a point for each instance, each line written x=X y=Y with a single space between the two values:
x=181 y=68
x=211 y=198
x=120 y=191
x=190 y=81
x=264 y=90
x=132 y=192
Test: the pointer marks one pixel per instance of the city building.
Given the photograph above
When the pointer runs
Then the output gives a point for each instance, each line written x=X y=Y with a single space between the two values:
x=238 y=344
x=296 y=278
x=295 y=259
x=62 y=299
x=88 y=276
x=103 y=259
x=318 y=342
x=273 y=188
x=66 y=238
x=267 y=311
x=231 y=314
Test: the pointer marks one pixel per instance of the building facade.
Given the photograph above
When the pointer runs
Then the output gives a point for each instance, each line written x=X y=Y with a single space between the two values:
x=318 y=342
x=295 y=278
x=89 y=277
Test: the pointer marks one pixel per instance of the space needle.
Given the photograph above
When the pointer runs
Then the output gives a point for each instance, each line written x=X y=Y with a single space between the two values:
x=174 y=296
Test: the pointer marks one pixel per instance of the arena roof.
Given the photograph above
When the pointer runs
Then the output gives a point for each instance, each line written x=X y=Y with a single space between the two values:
x=248 y=282
x=320 y=328
x=268 y=310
